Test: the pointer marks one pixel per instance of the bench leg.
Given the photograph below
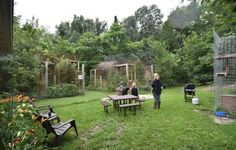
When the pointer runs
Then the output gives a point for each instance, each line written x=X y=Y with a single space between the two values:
x=57 y=141
x=74 y=125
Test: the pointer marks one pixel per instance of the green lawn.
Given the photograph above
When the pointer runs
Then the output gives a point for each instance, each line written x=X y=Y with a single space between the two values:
x=175 y=126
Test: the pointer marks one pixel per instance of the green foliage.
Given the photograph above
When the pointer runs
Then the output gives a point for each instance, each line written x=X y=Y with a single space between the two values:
x=164 y=62
x=198 y=58
x=149 y=20
x=63 y=90
x=24 y=67
x=114 y=79
x=114 y=41
x=18 y=130
x=80 y=25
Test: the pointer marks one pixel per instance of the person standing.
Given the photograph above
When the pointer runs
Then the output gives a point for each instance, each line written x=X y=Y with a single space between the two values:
x=156 y=90
x=134 y=89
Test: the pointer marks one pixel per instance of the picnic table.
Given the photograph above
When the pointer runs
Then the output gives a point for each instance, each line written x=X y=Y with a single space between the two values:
x=125 y=101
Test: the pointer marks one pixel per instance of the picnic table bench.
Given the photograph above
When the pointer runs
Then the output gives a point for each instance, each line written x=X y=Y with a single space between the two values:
x=124 y=106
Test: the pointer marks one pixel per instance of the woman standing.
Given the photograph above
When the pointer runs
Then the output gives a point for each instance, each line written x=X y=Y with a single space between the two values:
x=134 y=89
x=156 y=90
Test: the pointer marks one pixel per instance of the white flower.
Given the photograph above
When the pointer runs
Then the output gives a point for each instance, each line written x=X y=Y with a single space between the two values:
x=23 y=105
x=21 y=115
x=18 y=134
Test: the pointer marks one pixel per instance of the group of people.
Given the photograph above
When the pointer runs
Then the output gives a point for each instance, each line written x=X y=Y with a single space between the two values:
x=156 y=86
x=123 y=90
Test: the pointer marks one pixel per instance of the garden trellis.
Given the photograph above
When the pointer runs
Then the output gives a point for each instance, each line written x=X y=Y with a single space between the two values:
x=67 y=72
x=225 y=74
x=127 y=71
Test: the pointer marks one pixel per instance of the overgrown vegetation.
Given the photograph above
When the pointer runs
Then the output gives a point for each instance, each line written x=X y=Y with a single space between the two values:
x=180 y=48
x=18 y=130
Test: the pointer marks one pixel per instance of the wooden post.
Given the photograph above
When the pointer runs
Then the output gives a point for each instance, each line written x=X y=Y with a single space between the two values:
x=6 y=26
x=134 y=72
x=152 y=69
x=83 y=77
x=127 y=71
x=95 y=78
x=78 y=66
x=46 y=76
x=100 y=78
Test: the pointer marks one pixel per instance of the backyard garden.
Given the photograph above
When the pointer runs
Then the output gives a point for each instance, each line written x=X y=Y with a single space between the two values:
x=76 y=71
x=176 y=125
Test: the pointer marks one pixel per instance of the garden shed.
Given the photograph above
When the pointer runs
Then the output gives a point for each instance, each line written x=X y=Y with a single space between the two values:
x=225 y=74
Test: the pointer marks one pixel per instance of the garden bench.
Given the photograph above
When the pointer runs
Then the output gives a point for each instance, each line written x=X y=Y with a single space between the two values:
x=59 y=129
x=105 y=102
x=132 y=105
x=45 y=111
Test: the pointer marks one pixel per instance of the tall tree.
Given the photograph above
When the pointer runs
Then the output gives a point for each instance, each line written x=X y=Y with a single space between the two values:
x=131 y=28
x=149 y=20
x=114 y=41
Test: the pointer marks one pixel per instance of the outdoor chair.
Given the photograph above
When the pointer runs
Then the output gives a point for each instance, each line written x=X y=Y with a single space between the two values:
x=45 y=111
x=189 y=90
x=58 y=129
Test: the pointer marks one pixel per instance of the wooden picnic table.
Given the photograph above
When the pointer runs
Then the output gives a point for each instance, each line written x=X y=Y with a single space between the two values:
x=123 y=99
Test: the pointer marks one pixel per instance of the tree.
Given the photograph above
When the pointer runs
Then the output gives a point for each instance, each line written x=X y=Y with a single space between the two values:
x=131 y=28
x=168 y=34
x=80 y=25
x=114 y=41
x=149 y=21
x=198 y=58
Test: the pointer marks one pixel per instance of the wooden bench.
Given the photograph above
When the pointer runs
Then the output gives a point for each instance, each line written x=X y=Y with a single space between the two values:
x=59 y=129
x=105 y=102
x=45 y=111
x=124 y=106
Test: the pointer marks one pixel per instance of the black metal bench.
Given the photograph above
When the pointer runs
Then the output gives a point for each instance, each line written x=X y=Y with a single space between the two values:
x=132 y=105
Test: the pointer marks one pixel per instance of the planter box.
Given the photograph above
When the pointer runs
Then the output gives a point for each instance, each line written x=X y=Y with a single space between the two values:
x=228 y=102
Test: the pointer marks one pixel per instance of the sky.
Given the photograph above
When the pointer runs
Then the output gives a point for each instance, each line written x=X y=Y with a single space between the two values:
x=52 y=12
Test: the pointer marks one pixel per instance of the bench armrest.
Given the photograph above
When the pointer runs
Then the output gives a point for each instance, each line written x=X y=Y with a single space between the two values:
x=62 y=124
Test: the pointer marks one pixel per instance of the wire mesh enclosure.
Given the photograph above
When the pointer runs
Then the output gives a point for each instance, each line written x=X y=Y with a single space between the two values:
x=225 y=74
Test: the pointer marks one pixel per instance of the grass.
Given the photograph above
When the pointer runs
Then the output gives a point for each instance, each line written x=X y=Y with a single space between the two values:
x=175 y=126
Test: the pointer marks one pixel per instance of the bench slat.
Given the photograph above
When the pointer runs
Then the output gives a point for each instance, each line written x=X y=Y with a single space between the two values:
x=129 y=105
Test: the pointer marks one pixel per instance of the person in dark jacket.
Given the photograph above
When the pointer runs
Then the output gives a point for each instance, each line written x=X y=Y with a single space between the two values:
x=134 y=89
x=156 y=90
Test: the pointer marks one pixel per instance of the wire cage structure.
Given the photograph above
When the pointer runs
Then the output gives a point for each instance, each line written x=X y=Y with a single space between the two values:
x=129 y=71
x=225 y=75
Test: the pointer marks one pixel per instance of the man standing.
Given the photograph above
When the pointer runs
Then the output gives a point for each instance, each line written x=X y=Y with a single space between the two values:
x=156 y=90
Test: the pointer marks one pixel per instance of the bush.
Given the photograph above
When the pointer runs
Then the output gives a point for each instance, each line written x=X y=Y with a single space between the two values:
x=18 y=130
x=63 y=90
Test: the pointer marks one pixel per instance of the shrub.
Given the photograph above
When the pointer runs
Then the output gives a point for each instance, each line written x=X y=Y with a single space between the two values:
x=63 y=90
x=18 y=130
